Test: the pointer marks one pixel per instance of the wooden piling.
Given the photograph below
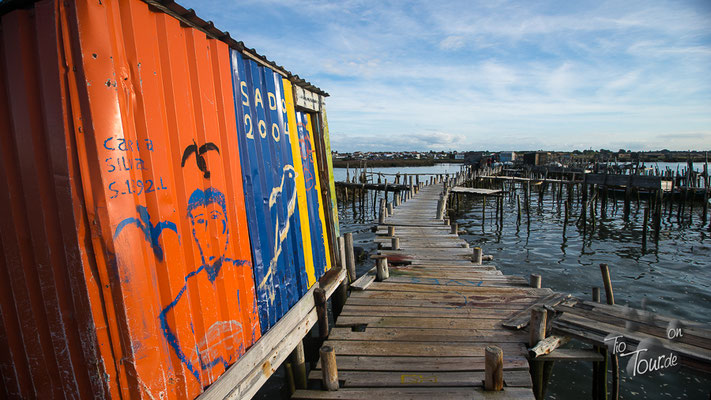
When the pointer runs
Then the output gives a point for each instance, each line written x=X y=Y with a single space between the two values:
x=518 y=208
x=535 y=281
x=537 y=325
x=391 y=231
x=605 y=270
x=297 y=360
x=329 y=368
x=493 y=368
x=350 y=257
x=382 y=272
x=454 y=228
x=477 y=255
x=322 y=312
x=645 y=224
x=395 y=243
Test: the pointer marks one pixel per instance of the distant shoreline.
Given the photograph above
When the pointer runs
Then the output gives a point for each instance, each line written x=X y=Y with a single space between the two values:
x=392 y=163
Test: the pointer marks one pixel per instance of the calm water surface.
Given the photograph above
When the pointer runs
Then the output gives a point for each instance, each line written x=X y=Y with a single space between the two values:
x=673 y=276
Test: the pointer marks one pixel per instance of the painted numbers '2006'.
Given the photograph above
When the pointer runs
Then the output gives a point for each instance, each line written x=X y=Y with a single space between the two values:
x=135 y=186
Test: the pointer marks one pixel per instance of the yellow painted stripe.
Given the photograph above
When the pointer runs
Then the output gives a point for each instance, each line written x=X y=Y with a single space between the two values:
x=329 y=162
x=300 y=184
x=320 y=199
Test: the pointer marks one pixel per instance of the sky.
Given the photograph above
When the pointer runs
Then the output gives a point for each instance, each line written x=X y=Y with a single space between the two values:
x=492 y=75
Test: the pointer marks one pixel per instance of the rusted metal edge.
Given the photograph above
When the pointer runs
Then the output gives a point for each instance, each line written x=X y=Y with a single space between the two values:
x=189 y=18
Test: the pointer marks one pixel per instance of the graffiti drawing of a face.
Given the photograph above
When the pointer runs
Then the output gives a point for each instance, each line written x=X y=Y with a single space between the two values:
x=208 y=219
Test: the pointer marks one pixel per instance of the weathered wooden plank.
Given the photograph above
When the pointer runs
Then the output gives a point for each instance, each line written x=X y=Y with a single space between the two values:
x=643 y=321
x=521 y=319
x=431 y=363
x=444 y=274
x=464 y=287
x=418 y=322
x=506 y=304
x=456 y=281
x=484 y=294
x=571 y=355
x=476 y=191
x=440 y=312
x=416 y=393
x=354 y=379
x=427 y=335
x=364 y=281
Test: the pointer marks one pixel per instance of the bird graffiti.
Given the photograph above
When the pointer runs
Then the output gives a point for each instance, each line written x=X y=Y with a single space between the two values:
x=199 y=156
x=150 y=231
x=281 y=234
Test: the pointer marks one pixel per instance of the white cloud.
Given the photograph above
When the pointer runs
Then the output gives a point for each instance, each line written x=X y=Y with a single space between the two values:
x=531 y=74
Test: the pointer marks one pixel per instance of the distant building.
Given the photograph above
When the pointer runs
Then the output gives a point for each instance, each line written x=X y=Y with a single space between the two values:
x=507 y=156
x=536 y=158
x=459 y=156
x=478 y=158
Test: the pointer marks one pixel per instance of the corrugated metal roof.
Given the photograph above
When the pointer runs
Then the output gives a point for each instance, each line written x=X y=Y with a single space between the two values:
x=190 y=18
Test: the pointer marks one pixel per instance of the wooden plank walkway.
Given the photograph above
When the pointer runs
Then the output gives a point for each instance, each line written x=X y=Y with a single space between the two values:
x=422 y=332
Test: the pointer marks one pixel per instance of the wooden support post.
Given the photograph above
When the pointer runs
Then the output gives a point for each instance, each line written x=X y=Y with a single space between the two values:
x=565 y=218
x=298 y=365
x=391 y=231
x=454 y=228
x=329 y=368
x=628 y=196
x=537 y=332
x=446 y=221
x=350 y=257
x=493 y=368
x=501 y=218
x=605 y=270
x=537 y=326
x=439 y=208
x=382 y=273
x=535 y=281
x=518 y=207
x=343 y=259
x=395 y=243
x=289 y=372
x=390 y=209
x=596 y=294
x=583 y=209
x=381 y=217
x=322 y=312
x=645 y=224
x=477 y=255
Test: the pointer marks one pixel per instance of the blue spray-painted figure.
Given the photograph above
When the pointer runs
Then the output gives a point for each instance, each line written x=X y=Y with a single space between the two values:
x=212 y=239
x=150 y=231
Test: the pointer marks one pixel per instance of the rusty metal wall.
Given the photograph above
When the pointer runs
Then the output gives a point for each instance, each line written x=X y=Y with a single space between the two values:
x=124 y=237
x=49 y=336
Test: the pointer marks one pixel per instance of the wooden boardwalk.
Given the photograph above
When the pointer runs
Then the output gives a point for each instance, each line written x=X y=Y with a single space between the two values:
x=421 y=333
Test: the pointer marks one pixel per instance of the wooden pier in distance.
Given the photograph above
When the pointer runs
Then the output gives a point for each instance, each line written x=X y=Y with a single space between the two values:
x=427 y=322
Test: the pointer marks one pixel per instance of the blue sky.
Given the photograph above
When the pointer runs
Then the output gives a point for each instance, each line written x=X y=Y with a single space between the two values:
x=492 y=75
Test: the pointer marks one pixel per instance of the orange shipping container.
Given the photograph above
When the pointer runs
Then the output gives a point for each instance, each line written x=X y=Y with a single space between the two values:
x=126 y=269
